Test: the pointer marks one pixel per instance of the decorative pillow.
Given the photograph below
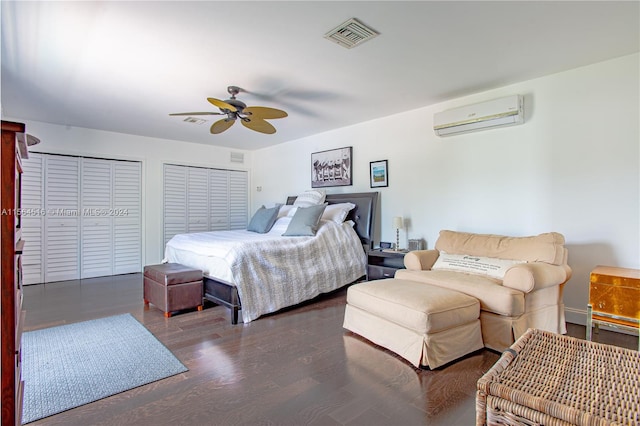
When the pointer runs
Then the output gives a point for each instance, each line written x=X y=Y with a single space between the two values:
x=337 y=212
x=285 y=210
x=305 y=222
x=489 y=266
x=311 y=197
x=263 y=219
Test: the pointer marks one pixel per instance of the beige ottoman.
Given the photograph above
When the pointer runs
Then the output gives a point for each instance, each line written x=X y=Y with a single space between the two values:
x=427 y=325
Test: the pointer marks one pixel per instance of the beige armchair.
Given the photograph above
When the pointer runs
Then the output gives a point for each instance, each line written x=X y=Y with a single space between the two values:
x=518 y=280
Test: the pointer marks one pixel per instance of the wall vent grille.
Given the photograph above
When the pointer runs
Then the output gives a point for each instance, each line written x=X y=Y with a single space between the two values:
x=350 y=34
x=237 y=157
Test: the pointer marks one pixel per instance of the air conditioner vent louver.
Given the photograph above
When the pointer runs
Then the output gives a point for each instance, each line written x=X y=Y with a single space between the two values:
x=350 y=34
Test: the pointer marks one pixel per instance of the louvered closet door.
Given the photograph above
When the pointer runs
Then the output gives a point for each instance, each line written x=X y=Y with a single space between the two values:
x=62 y=222
x=219 y=200
x=175 y=201
x=96 y=241
x=127 y=217
x=238 y=199
x=32 y=219
x=197 y=200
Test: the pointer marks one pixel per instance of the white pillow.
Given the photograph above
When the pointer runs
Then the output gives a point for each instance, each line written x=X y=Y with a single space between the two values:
x=489 y=266
x=285 y=210
x=337 y=212
x=312 y=197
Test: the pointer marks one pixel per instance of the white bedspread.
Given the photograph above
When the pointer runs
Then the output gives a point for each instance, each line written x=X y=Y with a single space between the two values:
x=271 y=271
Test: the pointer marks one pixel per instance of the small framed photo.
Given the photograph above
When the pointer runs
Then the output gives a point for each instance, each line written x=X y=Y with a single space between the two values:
x=379 y=173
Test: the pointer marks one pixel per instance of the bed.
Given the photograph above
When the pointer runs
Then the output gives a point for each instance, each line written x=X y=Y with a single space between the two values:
x=259 y=274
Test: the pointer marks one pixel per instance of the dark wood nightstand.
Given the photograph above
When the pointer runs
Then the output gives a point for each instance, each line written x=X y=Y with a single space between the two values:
x=384 y=264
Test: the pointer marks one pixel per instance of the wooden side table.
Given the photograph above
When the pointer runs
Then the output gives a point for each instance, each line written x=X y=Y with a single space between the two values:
x=614 y=299
x=383 y=264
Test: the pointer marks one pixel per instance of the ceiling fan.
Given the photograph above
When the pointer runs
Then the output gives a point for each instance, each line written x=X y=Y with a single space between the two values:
x=253 y=118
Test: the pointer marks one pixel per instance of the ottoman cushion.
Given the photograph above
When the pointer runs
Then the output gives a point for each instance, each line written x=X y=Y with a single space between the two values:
x=421 y=307
x=172 y=273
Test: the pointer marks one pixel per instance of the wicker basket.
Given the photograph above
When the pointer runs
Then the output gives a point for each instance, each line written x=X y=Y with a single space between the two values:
x=549 y=379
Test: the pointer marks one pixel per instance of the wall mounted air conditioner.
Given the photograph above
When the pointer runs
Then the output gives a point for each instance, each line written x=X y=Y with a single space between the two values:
x=501 y=112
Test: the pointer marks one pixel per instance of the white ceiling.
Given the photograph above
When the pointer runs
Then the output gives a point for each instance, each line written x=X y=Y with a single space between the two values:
x=124 y=66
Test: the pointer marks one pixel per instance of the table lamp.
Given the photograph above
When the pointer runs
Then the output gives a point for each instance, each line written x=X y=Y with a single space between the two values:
x=398 y=224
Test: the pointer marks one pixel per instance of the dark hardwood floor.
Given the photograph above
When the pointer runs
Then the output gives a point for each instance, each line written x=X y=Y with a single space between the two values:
x=295 y=367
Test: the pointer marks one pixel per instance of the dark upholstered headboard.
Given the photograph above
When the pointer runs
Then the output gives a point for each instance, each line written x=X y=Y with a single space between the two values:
x=362 y=215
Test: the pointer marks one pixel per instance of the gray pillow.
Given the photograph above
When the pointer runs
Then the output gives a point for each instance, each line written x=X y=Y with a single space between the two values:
x=305 y=221
x=263 y=219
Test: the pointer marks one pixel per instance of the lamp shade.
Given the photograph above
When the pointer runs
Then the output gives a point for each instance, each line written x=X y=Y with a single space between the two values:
x=398 y=222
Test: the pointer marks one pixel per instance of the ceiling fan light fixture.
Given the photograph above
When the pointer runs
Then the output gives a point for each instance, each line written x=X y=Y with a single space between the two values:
x=351 y=33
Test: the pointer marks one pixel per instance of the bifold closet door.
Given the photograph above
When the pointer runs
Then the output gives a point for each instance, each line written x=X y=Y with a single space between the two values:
x=82 y=218
x=33 y=214
x=175 y=201
x=111 y=220
x=238 y=199
x=96 y=242
x=219 y=200
x=62 y=220
x=198 y=199
x=127 y=217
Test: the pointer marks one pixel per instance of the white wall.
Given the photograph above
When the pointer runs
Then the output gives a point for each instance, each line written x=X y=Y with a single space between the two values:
x=151 y=151
x=573 y=167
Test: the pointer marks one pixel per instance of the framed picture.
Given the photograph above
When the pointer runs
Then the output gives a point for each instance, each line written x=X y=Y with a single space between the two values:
x=331 y=168
x=379 y=173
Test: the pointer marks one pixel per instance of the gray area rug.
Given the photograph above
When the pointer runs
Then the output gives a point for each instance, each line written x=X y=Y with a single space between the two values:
x=71 y=365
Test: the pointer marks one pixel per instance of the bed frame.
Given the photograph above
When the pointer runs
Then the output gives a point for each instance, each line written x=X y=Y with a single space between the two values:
x=224 y=293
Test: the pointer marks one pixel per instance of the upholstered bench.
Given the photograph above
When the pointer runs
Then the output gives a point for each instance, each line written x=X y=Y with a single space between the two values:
x=425 y=324
x=172 y=287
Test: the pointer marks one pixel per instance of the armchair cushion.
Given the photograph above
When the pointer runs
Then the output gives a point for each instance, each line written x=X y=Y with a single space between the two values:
x=548 y=247
x=492 y=296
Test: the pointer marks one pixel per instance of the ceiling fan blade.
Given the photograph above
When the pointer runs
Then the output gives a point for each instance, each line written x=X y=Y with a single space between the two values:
x=221 y=125
x=197 y=113
x=222 y=104
x=258 y=125
x=265 y=112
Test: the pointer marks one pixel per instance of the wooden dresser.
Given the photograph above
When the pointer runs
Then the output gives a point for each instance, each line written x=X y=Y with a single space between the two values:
x=12 y=149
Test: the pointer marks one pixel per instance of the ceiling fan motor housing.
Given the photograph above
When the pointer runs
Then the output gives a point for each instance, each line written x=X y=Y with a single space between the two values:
x=236 y=103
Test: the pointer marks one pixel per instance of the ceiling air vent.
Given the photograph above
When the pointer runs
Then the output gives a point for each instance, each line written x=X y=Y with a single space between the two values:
x=237 y=157
x=350 y=34
x=194 y=120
